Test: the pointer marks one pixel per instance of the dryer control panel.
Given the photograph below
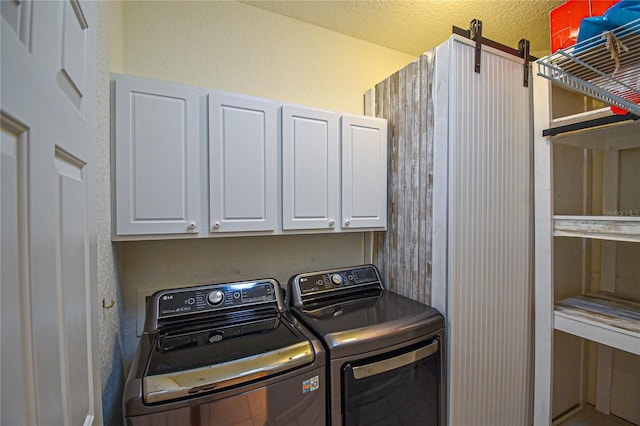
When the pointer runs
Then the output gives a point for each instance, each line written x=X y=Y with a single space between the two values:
x=332 y=282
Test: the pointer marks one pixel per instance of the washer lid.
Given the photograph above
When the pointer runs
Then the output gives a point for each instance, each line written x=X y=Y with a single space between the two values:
x=212 y=356
x=363 y=323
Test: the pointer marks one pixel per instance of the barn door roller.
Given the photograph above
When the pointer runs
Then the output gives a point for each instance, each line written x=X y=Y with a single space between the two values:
x=475 y=33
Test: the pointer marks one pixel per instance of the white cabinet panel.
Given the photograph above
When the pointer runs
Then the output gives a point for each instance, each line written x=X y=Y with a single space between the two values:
x=160 y=188
x=243 y=147
x=364 y=172
x=157 y=150
x=310 y=168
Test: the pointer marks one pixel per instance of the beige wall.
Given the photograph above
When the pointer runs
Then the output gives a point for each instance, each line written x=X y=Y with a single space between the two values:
x=232 y=46
x=239 y=48
x=110 y=55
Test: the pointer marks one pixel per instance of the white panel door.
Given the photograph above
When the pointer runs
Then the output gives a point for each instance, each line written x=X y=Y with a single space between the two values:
x=157 y=157
x=310 y=168
x=50 y=364
x=243 y=154
x=486 y=127
x=364 y=172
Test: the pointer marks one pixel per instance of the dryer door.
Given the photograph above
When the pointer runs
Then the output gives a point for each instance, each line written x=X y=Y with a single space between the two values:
x=397 y=388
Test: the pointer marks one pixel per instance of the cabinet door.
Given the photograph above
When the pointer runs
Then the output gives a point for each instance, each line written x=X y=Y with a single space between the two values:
x=243 y=147
x=364 y=172
x=310 y=168
x=156 y=157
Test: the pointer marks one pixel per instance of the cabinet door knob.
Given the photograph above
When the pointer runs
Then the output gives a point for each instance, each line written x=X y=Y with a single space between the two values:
x=332 y=223
x=347 y=222
x=216 y=225
x=192 y=225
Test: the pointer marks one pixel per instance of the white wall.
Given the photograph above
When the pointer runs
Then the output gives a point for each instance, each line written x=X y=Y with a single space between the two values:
x=234 y=47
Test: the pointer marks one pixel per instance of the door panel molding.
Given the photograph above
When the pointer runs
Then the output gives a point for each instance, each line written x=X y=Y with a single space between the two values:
x=73 y=285
x=72 y=76
x=18 y=387
x=18 y=15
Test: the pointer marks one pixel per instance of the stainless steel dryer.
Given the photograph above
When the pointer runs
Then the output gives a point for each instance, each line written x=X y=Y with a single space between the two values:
x=385 y=351
x=225 y=354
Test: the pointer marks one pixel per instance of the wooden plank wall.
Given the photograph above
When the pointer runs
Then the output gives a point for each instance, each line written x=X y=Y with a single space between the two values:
x=403 y=253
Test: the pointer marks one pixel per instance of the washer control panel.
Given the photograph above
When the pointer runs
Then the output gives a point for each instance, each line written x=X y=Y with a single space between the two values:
x=243 y=295
x=336 y=280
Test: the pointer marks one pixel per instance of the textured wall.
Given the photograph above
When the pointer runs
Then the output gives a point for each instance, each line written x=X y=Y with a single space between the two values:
x=109 y=47
x=239 y=48
x=148 y=266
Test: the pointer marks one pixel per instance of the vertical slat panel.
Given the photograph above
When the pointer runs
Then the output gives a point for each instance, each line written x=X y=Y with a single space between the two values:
x=489 y=241
x=403 y=253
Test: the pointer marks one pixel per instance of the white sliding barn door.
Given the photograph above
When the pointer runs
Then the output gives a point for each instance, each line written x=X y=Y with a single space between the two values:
x=482 y=197
x=459 y=235
x=48 y=242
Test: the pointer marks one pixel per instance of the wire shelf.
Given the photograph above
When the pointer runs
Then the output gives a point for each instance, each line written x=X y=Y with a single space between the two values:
x=590 y=67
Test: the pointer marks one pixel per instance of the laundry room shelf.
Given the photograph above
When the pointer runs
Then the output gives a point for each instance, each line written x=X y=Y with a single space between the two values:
x=612 y=228
x=598 y=129
x=601 y=317
x=591 y=68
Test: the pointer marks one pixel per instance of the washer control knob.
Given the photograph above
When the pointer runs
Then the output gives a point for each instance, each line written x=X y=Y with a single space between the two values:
x=336 y=279
x=215 y=297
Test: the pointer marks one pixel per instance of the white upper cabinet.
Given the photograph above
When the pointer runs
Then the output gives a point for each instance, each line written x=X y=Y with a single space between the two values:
x=364 y=172
x=310 y=168
x=243 y=154
x=271 y=169
x=156 y=158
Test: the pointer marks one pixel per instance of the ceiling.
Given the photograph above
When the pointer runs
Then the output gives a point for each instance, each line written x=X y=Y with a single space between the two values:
x=415 y=26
